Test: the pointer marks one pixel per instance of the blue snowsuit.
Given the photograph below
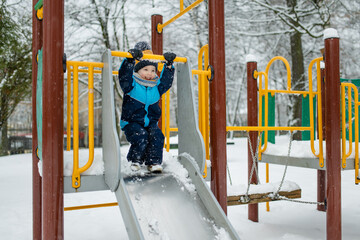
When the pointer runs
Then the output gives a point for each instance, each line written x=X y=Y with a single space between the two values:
x=141 y=113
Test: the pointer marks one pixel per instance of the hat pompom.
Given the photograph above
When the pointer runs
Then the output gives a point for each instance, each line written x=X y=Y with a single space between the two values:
x=142 y=46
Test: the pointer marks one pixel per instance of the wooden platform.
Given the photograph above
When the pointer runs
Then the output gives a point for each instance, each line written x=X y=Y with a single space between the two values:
x=261 y=197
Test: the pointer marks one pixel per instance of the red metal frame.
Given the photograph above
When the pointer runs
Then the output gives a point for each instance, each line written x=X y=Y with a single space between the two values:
x=37 y=183
x=252 y=118
x=53 y=117
x=218 y=102
x=157 y=45
x=332 y=125
x=321 y=174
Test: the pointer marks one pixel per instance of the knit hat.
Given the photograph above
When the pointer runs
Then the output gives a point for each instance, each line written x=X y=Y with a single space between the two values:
x=146 y=49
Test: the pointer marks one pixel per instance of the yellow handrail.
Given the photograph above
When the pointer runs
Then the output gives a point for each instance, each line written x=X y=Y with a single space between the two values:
x=182 y=12
x=311 y=109
x=356 y=121
x=146 y=56
x=263 y=91
x=76 y=181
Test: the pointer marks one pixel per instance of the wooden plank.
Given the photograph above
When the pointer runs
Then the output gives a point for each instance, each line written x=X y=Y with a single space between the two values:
x=261 y=197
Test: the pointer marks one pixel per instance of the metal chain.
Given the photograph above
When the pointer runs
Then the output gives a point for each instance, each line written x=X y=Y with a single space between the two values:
x=286 y=165
x=299 y=201
x=276 y=195
x=254 y=158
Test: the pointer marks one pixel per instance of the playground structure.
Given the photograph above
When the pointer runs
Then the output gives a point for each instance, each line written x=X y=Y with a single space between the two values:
x=49 y=189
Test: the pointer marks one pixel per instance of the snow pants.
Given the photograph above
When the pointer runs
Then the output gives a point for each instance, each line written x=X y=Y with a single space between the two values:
x=146 y=143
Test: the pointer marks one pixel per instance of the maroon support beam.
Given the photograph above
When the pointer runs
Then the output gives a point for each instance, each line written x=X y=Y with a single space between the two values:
x=53 y=117
x=36 y=178
x=218 y=102
x=252 y=118
x=321 y=174
x=332 y=125
x=157 y=45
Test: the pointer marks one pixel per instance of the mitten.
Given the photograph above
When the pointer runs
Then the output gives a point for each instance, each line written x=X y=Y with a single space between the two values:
x=136 y=54
x=169 y=57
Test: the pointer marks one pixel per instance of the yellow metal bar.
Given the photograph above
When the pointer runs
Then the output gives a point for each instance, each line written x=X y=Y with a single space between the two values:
x=203 y=95
x=90 y=120
x=76 y=170
x=349 y=123
x=272 y=91
x=76 y=174
x=181 y=5
x=263 y=92
x=167 y=128
x=182 y=12
x=287 y=65
x=267 y=180
x=311 y=109
x=343 y=109
x=86 y=64
x=68 y=122
x=174 y=129
x=91 y=206
x=202 y=72
x=146 y=56
x=265 y=128
x=356 y=100
x=163 y=117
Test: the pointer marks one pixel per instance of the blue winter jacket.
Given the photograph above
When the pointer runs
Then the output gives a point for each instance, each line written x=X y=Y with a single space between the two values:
x=140 y=103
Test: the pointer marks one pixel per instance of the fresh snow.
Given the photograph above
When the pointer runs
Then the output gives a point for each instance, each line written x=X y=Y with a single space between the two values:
x=286 y=220
x=330 y=33
x=250 y=58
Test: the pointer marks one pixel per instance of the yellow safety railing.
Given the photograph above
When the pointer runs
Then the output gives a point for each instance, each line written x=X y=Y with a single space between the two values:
x=73 y=67
x=182 y=12
x=263 y=91
x=349 y=123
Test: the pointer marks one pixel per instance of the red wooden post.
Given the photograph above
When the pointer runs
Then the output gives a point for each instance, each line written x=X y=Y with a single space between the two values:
x=157 y=45
x=252 y=118
x=332 y=120
x=321 y=174
x=36 y=191
x=53 y=117
x=218 y=102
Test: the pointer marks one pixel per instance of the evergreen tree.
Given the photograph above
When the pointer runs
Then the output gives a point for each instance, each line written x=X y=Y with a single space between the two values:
x=15 y=67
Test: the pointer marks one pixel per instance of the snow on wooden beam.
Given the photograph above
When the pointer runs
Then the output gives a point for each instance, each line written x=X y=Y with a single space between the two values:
x=262 y=192
x=261 y=197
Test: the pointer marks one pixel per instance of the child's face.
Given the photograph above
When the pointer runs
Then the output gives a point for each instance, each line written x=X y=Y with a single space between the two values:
x=148 y=72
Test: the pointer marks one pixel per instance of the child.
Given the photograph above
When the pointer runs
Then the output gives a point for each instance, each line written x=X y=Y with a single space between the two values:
x=140 y=110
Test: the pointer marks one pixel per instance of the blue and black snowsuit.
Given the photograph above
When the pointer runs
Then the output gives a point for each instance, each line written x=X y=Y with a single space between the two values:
x=141 y=113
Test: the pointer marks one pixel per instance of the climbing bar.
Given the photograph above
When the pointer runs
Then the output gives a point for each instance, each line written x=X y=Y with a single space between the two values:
x=146 y=56
x=75 y=67
x=265 y=128
x=182 y=12
x=113 y=204
x=350 y=121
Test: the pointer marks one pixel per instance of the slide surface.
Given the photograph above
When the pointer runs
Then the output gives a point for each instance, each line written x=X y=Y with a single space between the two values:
x=165 y=209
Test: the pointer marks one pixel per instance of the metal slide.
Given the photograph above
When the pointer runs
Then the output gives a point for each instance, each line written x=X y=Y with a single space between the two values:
x=158 y=206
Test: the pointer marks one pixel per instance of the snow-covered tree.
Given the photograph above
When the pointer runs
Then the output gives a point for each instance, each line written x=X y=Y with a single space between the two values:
x=15 y=66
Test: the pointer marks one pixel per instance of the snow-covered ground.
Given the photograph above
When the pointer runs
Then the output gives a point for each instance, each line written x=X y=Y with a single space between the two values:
x=286 y=220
